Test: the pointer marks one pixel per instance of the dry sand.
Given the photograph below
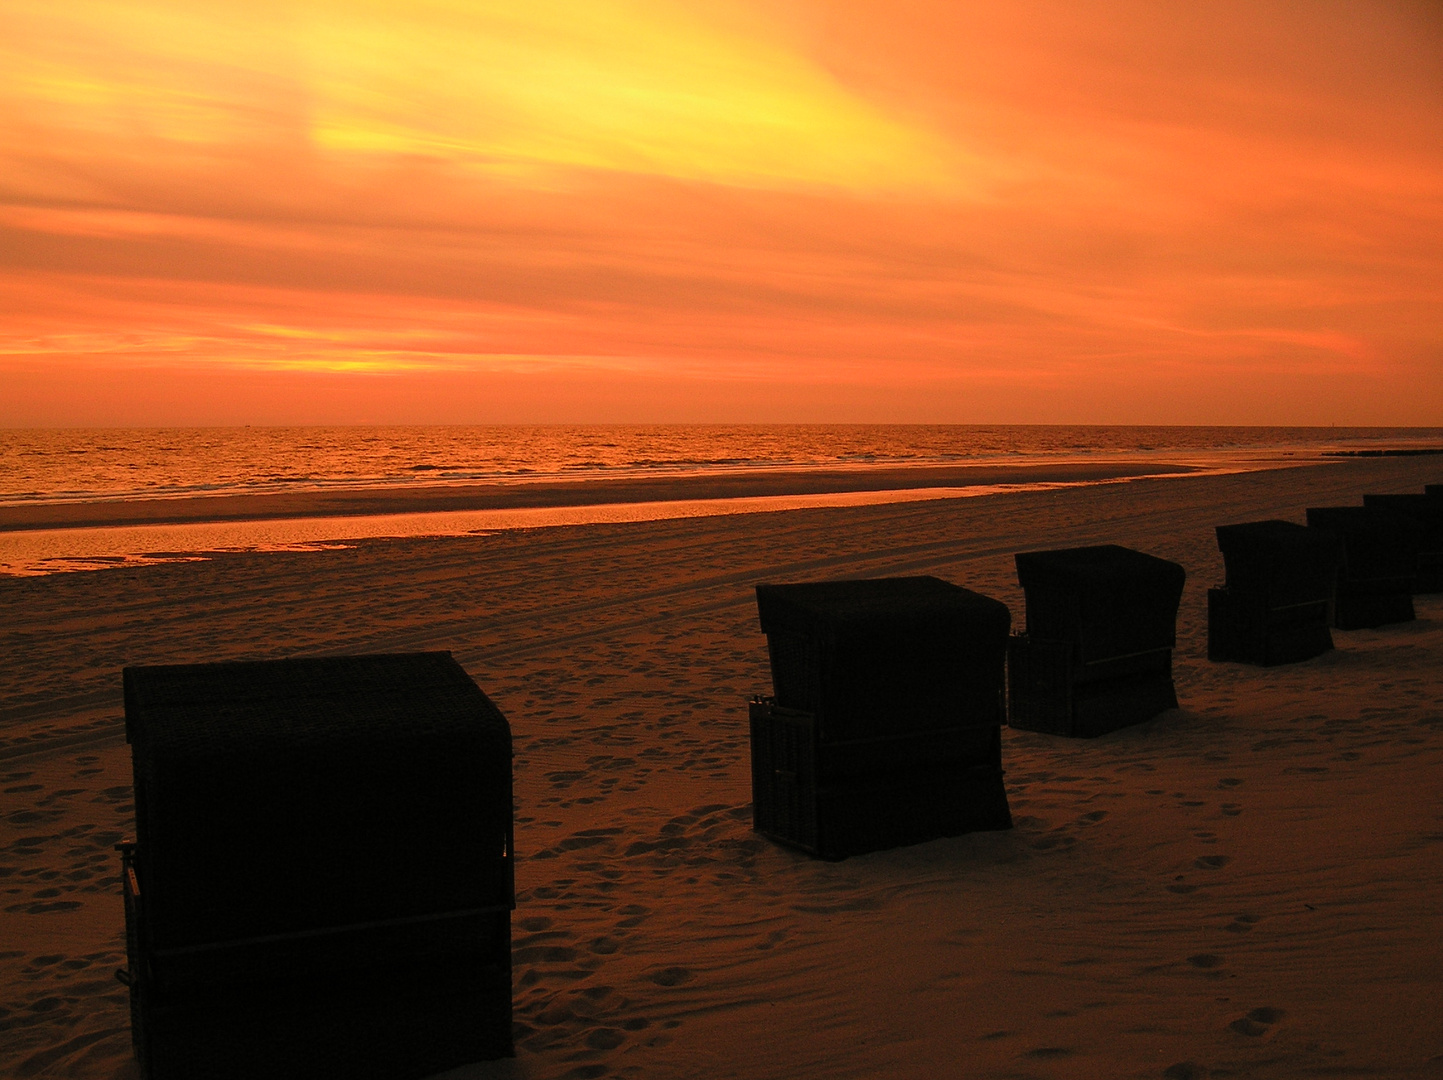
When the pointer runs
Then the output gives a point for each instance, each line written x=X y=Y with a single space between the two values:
x=1247 y=886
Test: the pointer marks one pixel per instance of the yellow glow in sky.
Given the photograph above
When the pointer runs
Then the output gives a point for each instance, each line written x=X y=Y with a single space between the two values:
x=618 y=85
x=519 y=90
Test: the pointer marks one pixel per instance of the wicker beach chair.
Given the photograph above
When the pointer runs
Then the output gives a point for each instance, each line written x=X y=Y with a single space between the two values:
x=1425 y=511
x=1275 y=606
x=1097 y=651
x=885 y=724
x=321 y=882
x=1379 y=566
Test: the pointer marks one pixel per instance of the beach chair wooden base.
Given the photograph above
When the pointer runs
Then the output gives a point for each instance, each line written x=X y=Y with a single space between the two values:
x=1360 y=607
x=839 y=799
x=1049 y=692
x=1430 y=572
x=1245 y=629
x=387 y=1002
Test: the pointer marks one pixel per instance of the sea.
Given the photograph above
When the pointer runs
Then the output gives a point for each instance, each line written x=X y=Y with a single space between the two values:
x=78 y=466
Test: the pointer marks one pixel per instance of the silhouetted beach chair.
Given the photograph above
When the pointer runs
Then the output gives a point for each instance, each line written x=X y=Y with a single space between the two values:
x=1276 y=602
x=1379 y=564
x=885 y=727
x=321 y=884
x=1097 y=652
x=1425 y=511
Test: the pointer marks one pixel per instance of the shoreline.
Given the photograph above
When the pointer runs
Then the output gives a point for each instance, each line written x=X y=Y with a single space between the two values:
x=369 y=502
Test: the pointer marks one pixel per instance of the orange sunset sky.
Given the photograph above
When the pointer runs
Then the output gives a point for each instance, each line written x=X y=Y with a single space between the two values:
x=364 y=211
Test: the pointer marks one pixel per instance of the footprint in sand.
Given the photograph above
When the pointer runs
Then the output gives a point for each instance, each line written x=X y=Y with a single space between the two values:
x=1241 y=924
x=671 y=976
x=46 y=908
x=1206 y=961
x=1211 y=862
x=604 y=1038
x=542 y=954
x=586 y=838
x=1054 y=840
x=586 y=1020
x=772 y=939
x=632 y=915
x=1185 y=1070
x=1258 y=1022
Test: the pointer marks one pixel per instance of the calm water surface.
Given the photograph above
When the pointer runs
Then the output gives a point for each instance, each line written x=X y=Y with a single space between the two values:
x=80 y=465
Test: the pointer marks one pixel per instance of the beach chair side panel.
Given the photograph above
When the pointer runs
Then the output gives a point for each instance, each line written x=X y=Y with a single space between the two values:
x=839 y=799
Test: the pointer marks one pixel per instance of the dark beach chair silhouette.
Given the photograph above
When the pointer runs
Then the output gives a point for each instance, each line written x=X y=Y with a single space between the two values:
x=321 y=883
x=1097 y=652
x=1276 y=603
x=1379 y=566
x=885 y=725
x=1425 y=511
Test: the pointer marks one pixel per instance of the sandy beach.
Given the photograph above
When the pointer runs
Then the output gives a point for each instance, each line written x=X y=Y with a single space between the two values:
x=1247 y=886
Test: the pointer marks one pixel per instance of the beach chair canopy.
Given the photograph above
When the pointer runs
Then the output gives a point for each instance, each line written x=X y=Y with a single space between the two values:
x=1424 y=510
x=885 y=654
x=1377 y=543
x=282 y=796
x=1282 y=562
x=1108 y=601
